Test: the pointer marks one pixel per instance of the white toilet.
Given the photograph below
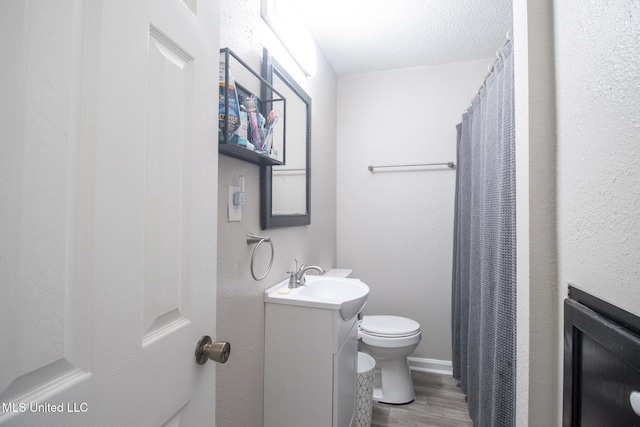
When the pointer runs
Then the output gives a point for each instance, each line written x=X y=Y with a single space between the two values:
x=389 y=340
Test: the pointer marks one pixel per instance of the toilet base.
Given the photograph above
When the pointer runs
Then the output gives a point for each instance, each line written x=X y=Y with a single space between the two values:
x=392 y=382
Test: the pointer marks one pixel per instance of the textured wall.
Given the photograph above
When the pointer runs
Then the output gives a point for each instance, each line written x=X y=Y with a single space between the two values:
x=395 y=228
x=597 y=64
x=240 y=311
x=598 y=98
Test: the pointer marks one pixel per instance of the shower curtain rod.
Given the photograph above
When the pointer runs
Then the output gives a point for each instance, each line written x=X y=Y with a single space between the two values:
x=450 y=165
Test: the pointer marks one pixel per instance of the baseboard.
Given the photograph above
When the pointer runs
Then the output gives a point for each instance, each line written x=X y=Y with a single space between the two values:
x=443 y=367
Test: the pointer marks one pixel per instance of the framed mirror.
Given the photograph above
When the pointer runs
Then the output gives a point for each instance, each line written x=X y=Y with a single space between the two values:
x=285 y=191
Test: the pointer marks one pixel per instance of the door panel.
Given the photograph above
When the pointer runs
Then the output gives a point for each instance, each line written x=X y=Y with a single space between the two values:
x=108 y=180
x=36 y=43
x=170 y=81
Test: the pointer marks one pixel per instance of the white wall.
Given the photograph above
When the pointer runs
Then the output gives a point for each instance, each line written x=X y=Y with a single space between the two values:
x=597 y=51
x=537 y=308
x=578 y=106
x=598 y=78
x=240 y=314
x=395 y=228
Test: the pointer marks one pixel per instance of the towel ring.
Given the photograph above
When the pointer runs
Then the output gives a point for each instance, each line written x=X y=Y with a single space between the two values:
x=253 y=239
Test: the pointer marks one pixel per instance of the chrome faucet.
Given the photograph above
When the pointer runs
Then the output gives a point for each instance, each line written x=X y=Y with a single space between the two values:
x=297 y=278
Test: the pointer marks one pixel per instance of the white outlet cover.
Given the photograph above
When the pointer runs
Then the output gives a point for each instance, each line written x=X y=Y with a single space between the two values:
x=235 y=212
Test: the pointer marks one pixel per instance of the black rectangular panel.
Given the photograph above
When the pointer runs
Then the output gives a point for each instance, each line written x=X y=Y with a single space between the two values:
x=601 y=368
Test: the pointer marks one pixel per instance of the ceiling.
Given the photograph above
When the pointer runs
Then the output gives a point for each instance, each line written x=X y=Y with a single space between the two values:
x=371 y=35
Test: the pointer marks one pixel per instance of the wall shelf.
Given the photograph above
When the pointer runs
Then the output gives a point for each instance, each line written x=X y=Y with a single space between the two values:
x=234 y=150
x=238 y=152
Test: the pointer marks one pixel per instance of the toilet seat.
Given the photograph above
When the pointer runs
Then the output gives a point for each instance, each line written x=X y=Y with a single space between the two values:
x=389 y=331
x=389 y=326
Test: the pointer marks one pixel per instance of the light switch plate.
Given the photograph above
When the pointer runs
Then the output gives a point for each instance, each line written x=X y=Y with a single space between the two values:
x=235 y=212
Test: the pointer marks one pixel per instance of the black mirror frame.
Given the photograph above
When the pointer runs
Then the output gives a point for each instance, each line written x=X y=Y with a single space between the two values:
x=270 y=67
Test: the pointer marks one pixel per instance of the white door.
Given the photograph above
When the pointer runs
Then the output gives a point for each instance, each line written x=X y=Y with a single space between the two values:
x=108 y=182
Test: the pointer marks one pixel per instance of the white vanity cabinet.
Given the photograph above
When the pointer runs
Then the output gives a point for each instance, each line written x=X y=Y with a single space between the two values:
x=310 y=367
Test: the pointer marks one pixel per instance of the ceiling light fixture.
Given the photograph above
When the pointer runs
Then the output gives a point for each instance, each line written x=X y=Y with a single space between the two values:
x=292 y=32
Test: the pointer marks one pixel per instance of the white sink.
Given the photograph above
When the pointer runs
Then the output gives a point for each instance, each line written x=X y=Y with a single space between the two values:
x=333 y=293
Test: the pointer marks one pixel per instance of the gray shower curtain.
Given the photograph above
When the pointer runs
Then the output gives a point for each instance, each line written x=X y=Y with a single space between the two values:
x=484 y=258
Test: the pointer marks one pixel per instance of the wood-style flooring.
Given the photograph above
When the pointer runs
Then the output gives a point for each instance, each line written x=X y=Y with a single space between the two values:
x=439 y=402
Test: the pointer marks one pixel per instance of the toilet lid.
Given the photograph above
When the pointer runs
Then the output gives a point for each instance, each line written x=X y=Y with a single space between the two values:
x=389 y=326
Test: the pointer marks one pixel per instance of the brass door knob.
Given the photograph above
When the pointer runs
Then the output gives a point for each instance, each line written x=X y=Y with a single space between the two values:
x=206 y=349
